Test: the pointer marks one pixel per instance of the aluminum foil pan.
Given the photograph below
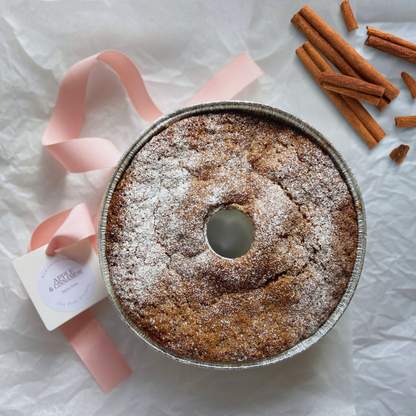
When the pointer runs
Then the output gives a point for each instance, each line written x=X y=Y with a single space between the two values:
x=273 y=114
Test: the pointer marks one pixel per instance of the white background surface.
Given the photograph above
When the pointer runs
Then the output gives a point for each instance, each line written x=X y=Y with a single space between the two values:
x=364 y=366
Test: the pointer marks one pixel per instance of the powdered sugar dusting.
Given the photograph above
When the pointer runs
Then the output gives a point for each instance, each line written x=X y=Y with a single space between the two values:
x=189 y=299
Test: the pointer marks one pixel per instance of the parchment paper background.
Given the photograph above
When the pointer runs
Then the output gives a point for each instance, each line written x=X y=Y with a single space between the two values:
x=365 y=366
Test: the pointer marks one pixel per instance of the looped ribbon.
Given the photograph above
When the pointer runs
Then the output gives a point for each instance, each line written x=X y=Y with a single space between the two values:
x=89 y=340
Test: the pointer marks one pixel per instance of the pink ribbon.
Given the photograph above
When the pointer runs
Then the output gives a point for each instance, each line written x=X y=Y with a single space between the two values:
x=85 y=334
x=96 y=350
x=95 y=153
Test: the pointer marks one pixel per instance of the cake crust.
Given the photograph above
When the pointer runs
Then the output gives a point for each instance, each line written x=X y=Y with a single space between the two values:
x=197 y=304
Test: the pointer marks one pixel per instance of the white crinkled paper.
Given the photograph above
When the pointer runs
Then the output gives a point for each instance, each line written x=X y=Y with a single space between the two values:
x=363 y=366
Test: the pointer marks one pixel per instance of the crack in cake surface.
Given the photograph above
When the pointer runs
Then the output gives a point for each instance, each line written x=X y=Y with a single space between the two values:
x=198 y=304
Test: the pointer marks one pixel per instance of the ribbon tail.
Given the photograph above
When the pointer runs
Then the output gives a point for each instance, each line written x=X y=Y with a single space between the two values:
x=96 y=350
x=234 y=77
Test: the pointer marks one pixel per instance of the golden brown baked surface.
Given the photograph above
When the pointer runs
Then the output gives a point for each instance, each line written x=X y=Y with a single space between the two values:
x=190 y=300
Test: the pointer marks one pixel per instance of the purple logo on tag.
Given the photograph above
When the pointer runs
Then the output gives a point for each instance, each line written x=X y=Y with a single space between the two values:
x=66 y=283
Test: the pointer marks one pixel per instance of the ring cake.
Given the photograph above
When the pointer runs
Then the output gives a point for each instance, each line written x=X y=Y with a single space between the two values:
x=196 y=303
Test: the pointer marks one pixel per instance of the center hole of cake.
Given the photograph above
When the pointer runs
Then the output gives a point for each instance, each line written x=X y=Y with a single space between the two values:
x=230 y=233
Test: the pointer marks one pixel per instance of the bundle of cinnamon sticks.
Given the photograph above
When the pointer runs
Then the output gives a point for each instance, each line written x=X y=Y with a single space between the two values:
x=358 y=79
x=341 y=54
x=353 y=111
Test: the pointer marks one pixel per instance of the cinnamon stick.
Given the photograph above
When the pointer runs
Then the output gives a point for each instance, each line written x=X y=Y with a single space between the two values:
x=329 y=52
x=368 y=98
x=405 y=121
x=342 y=106
x=391 y=48
x=364 y=116
x=348 y=15
x=353 y=83
x=410 y=82
x=399 y=153
x=353 y=58
x=371 y=31
x=361 y=90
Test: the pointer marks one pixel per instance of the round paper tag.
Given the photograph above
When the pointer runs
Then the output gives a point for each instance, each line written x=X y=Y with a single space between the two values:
x=66 y=283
